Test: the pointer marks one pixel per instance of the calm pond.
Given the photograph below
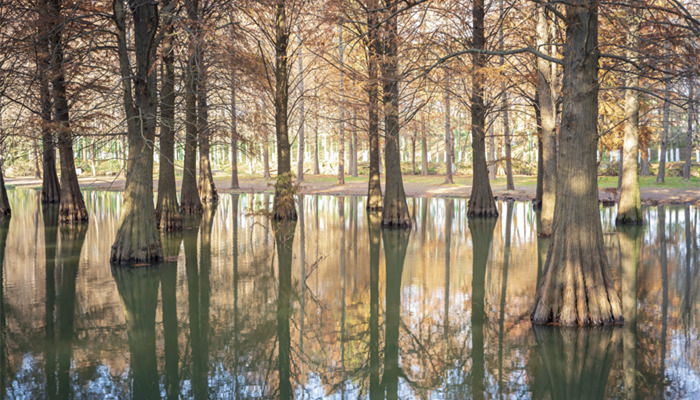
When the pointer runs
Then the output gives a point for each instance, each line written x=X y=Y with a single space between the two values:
x=338 y=309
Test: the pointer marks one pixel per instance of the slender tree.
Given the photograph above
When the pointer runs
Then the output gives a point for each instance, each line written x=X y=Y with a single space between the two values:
x=689 y=137
x=449 y=142
x=138 y=240
x=341 y=109
x=374 y=191
x=302 y=114
x=577 y=286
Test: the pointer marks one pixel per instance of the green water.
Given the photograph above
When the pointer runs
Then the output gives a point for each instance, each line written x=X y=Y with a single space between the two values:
x=333 y=306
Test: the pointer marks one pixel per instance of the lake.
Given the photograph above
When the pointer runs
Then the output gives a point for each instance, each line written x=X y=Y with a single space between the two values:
x=333 y=306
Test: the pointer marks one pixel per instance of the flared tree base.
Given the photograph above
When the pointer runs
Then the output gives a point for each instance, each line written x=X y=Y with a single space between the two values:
x=396 y=215
x=191 y=208
x=482 y=205
x=576 y=288
x=73 y=212
x=284 y=208
x=137 y=242
x=169 y=219
x=632 y=218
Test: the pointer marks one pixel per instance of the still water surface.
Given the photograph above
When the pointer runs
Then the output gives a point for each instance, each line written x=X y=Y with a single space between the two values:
x=336 y=307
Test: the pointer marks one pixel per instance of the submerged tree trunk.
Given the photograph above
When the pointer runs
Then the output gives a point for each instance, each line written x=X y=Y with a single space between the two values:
x=207 y=189
x=481 y=201
x=190 y=203
x=577 y=286
x=449 y=143
x=72 y=206
x=283 y=208
x=374 y=191
x=547 y=109
x=629 y=210
x=168 y=215
x=138 y=239
x=395 y=211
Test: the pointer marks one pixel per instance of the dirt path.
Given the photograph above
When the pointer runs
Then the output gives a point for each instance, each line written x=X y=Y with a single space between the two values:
x=416 y=186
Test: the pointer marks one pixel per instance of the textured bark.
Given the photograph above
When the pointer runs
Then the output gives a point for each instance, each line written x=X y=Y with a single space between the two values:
x=395 y=245
x=207 y=189
x=72 y=206
x=481 y=201
x=577 y=287
x=449 y=142
x=138 y=292
x=689 y=136
x=661 y=175
x=482 y=234
x=50 y=188
x=353 y=146
x=424 y=148
x=645 y=164
x=138 y=239
x=190 y=203
x=629 y=209
x=577 y=362
x=283 y=207
x=510 y=185
x=302 y=115
x=374 y=191
x=284 y=239
x=341 y=111
x=234 y=138
x=4 y=200
x=547 y=108
x=168 y=215
x=395 y=212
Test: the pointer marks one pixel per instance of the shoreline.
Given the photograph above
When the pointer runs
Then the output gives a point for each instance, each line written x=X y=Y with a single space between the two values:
x=415 y=186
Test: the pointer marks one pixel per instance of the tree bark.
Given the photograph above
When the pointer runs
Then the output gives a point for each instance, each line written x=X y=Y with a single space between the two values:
x=481 y=201
x=577 y=286
x=234 y=135
x=395 y=212
x=72 y=206
x=548 y=116
x=302 y=117
x=661 y=175
x=4 y=200
x=424 y=147
x=190 y=203
x=50 y=188
x=138 y=240
x=353 y=146
x=510 y=185
x=413 y=155
x=374 y=191
x=341 y=110
x=629 y=210
x=317 y=167
x=207 y=189
x=689 y=136
x=283 y=208
x=449 y=143
x=168 y=215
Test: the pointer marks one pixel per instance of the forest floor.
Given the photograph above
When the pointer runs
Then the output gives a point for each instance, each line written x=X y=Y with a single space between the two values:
x=674 y=191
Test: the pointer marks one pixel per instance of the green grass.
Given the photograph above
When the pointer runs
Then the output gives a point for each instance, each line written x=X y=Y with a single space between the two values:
x=649 y=182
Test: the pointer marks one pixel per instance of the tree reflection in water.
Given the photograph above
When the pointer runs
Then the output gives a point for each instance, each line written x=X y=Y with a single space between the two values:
x=172 y=242
x=4 y=365
x=284 y=240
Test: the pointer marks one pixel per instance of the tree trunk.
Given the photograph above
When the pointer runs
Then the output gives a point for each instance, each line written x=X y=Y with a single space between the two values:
x=374 y=191
x=448 y=136
x=577 y=286
x=424 y=148
x=413 y=155
x=353 y=146
x=548 y=117
x=190 y=203
x=234 y=135
x=661 y=175
x=4 y=200
x=138 y=240
x=341 y=111
x=168 y=215
x=50 y=188
x=266 y=157
x=395 y=212
x=395 y=245
x=645 y=163
x=629 y=210
x=302 y=117
x=689 y=136
x=510 y=185
x=283 y=208
x=481 y=201
x=207 y=189
x=317 y=167
x=37 y=168
x=72 y=206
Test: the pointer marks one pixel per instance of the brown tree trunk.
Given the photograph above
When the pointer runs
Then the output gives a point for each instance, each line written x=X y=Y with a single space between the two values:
x=4 y=200
x=577 y=286
x=540 y=173
x=424 y=148
x=629 y=210
x=234 y=136
x=341 y=111
x=168 y=215
x=190 y=203
x=448 y=136
x=138 y=239
x=510 y=185
x=72 y=206
x=689 y=136
x=645 y=163
x=266 y=157
x=207 y=189
x=353 y=146
x=661 y=175
x=413 y=155
x=283 y=208
x=395 y=212
x=317 y=167
x=547 y=107
x=481 y=201
x=302 y=116
x=374 y=191
x=50 y=188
